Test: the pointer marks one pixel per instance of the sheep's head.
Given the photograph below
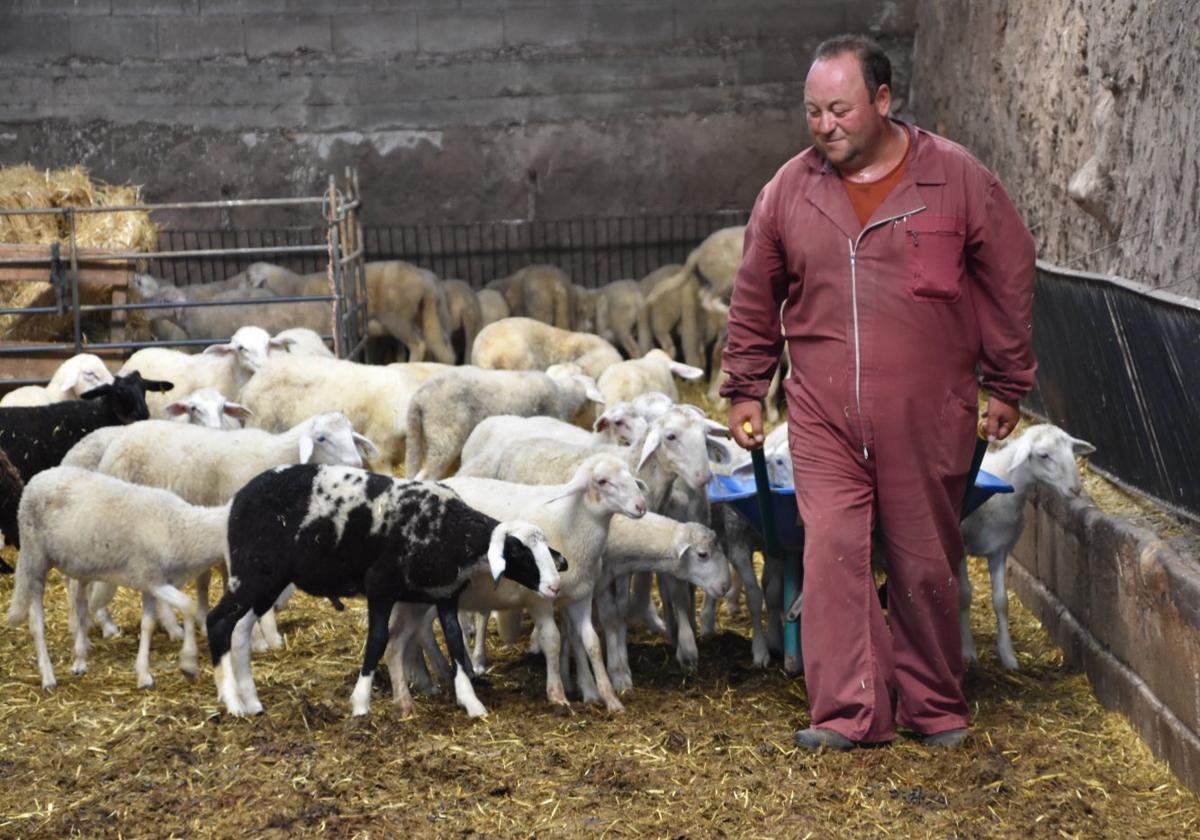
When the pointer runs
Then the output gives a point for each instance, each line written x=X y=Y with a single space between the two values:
x=679 y=442
x=704 y=563
x=607 y=485
x=208 y=407
x=621 y=424
x=126 y=395
x=331 y=439
x=1052 y=454
x=82 y=373
x=249 y=347
x=519 y=551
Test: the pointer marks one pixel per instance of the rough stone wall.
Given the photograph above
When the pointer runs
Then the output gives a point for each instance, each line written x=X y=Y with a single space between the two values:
x=452 y=110
x=1086 y=110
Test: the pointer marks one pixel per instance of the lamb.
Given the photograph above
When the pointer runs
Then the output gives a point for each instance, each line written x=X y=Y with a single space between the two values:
x=466 y=316
x=226 y=367
x=1044 y=454
x=653 y=372
x=207 y=407
x=337 y=532
x=301 y=341
x=492 y=307
x=526 y=344
x=260 y=309
x=407 y=303
x=575 y=517
x=93 y=527
x=541 y=292
x=375 y=398
x=619 y=424
x=445 y=410
x=616 y=312
x=77 y=375
x=675 y=309
x=714 y=262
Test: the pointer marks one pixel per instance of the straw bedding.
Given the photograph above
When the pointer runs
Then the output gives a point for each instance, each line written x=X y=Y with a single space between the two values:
x=703 y=756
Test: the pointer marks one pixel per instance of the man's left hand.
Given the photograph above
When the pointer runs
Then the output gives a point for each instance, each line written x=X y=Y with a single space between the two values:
x=1001 y=417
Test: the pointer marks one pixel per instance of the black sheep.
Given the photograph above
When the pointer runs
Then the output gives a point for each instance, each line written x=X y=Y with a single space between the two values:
x=337 y=532
x=11 y=488
x=36 y=438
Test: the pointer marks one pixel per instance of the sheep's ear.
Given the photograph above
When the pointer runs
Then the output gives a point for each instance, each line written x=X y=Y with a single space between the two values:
x=364 y=443
x=578 y=484
x=1081 y=447
x=158 y=385
x=219 y=350
x=685 y=371
x=306 y=448
x=743 y=472
x=237 y=410
x=284 y=344
x=601 y=423
x=495 y=555
x=70 y=379
x=99 y=391
x=681 y=544
x=176 y=408
x=652 y=442
x=714 y=429
x=718 y=452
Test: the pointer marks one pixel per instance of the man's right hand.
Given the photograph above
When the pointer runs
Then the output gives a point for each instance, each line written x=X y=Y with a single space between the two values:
x=742 y=413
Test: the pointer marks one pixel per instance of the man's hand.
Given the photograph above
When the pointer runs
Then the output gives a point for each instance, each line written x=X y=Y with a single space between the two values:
x=751 y=412
x=1001 y=418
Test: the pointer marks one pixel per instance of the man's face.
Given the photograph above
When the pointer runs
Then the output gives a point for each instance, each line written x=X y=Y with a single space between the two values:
x=846 y=126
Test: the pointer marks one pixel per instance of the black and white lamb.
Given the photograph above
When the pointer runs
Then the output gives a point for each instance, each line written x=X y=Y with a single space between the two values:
x=337 y=532
x=37 y=438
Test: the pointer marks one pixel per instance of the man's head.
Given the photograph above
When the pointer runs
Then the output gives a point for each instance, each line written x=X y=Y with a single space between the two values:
x=847 y=96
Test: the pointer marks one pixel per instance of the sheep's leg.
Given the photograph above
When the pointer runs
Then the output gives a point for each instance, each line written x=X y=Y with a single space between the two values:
x=551 y=643
x=588 y=690
x=187 y=607
x=401 y=629
x=419 y=675
x=100 y=595
x=606 y=608
x=141 y=665
x=464 y=692
x=1004 y=644
x=433 y=653
x=479 y=657
x=732 y=597
x=167 y=620
x=37 y=629
x=221 y=624
x=773 y=596
x=741 y=557
x=681 y=603
x=242 y=677
x=378 y=612
x=621 y=599
x=580 y=614
x=708 y=616
x=79 y=609
x=641 y=608
x=969 y=654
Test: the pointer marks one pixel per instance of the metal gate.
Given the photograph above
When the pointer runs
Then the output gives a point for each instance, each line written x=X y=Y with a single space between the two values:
x=72 y=274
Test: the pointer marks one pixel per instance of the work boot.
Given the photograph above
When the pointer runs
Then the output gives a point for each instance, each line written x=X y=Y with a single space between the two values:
x=813 y=739
x=949 y=739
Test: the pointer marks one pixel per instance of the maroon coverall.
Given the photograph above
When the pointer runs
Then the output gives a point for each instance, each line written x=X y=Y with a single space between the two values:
x=885 y=325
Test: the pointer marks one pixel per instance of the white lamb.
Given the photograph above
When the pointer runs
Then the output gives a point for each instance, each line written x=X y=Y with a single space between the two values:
x=655 y=371
x=445 y=410
x=375 y=398
x=95 y=528
x=1044 y=454
x=526 y=344
x=73 y=378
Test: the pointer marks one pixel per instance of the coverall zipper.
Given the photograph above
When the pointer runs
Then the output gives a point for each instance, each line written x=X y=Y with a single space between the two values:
x=854 y=306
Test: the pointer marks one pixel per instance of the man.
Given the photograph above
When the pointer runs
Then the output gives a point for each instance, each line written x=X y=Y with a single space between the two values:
x=892 y=265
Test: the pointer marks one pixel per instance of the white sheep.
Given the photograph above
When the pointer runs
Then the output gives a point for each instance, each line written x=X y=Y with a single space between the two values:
x=527 y=344
x=1043 y=454
x=301 y=341
x=492 y=308
x=575 y=518
x=226 y=367
x=376 y=398
x=541 y=292
x=205 y=407
x=616 y=312
x=655 y=371
x=407 y=303
x=445 y=410
x=74 y=377
x=95 y=528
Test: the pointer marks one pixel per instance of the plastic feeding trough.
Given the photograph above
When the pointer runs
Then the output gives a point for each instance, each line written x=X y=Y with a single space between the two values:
x=783 y=535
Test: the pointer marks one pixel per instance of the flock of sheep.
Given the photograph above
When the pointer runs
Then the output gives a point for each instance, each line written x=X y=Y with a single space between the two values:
x=148 y=480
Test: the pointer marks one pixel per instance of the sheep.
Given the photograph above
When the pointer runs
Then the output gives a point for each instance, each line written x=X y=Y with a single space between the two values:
x=541 y=292
x=466 y=316
x=337 y=532
x=207 y=407
x=408 y=304
x=714 y=262
x=688 y=551
x=226 y=367
x=445 y=409
x=492 y=307
x=1043 y=454
x=575 y=517
x=78 y=374
x=375 y=398
x=526 y=344
x=216 y=322
x=301 y=341
x=616 y=312
x=11 y=487
x=93 y=527
x=675 y=309
x=653 y=372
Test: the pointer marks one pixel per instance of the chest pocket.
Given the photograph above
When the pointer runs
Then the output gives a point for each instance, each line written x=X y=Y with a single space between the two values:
x=934 y=246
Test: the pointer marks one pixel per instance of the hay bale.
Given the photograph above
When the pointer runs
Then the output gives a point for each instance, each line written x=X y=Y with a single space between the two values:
x=23 y=187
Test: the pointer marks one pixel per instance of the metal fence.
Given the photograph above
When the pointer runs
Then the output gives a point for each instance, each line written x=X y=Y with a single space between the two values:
x=1119 y=365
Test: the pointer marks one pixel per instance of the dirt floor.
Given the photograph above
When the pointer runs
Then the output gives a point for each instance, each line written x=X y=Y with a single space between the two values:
x=708 y=755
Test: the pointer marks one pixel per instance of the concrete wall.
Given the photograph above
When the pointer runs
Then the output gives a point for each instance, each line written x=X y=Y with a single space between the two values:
x=452 y=111
x=1085 y=110
x=1125 y=608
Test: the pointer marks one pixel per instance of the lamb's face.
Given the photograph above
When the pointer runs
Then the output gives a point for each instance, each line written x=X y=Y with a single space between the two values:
x=704 y=563
x=1052 y=458
x=519 y=550
x=679 y=441
x=612 y=486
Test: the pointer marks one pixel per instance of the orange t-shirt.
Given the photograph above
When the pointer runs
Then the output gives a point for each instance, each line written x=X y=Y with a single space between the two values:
x=866 y=198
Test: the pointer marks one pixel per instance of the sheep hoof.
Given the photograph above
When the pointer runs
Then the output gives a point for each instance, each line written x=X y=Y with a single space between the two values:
x=146 y=683
x=189 y=673
x=79 y=669
x=614 y=706
x=110 y=631
x=50 y=686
